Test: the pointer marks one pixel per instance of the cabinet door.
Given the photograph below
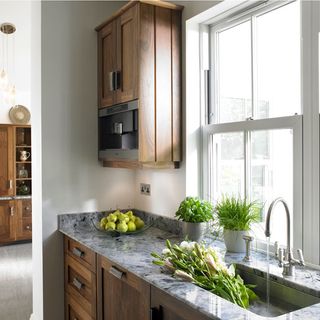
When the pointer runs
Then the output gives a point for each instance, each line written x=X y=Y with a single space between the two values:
x=121 y=295
x=107 y=64
x=127 y=56
x=6 y=161
x=165 y=307
x=23 y=219
x=7 y=233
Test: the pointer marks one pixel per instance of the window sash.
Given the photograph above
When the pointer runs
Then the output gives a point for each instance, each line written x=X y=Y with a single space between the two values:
x=290 y=122
x=215 y=29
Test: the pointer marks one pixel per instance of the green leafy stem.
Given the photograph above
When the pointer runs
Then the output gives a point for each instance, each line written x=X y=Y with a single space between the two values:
x=193 y=262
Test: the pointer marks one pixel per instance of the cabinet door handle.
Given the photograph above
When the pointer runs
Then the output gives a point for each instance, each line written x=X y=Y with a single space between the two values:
x=28 y=227
x=11 y=211
x=10 y=184
x=77 y=283
x=117 y=273
x=76 y=251
x=27 y=208
x=111 y=81
x=156 y=313
x=117 y=80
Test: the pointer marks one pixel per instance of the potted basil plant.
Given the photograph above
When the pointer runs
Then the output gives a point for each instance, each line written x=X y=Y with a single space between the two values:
x=194 y=214
x=236 y=216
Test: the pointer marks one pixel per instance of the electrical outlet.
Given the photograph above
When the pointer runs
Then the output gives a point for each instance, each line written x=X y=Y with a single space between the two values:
x=145 y=189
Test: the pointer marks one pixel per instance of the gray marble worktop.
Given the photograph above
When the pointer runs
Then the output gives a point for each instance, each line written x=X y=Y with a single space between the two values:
x=132 y=252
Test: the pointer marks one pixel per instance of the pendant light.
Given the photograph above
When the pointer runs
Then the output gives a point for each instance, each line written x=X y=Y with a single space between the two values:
x=6 y=87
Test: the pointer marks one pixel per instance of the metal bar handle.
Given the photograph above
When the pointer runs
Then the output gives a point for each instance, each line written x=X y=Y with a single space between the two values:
x=76 y=251
x=11 y=211
x=117 y=81
x=10 y=184
x=77 y=283
x=117 y=273
x=111 y=81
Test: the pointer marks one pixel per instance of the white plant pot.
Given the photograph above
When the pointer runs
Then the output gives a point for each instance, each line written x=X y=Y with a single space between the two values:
x=234 y=240
x=194 y=231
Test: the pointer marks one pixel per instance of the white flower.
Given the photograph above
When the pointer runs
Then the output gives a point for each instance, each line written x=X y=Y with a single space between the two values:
x=166 y=251
x=184 y=245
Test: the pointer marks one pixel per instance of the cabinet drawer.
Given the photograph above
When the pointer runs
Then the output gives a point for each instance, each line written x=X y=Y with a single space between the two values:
x=80 y=283
x=74 y=311
x=26 y=210
x=80 y=253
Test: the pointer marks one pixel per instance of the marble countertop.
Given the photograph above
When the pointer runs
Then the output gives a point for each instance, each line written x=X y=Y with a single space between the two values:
x=132 y=252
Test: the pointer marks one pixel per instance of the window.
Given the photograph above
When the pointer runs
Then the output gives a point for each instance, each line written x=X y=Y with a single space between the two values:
x=253 y=134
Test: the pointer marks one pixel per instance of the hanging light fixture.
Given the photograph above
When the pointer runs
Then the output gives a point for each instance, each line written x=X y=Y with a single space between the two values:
x=6 y=87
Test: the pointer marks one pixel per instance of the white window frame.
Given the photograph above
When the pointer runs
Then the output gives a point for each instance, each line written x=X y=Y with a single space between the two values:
x=305 y=129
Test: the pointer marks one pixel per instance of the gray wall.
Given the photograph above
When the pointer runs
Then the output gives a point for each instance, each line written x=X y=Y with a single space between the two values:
x=72 y=178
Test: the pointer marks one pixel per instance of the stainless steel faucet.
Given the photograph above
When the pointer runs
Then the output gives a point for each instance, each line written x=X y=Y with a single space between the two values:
x=286 y=259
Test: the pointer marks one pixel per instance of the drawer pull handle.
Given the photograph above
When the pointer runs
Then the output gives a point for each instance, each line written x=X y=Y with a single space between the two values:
x=78 y=284
x=28 y=227
x=117 y=273
x=27 y=208
x=77 y=252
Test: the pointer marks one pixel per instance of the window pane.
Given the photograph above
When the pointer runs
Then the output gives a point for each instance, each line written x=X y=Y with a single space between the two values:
x=278 y=62
x=228 y=164
x=272 y=176
x=234 y=75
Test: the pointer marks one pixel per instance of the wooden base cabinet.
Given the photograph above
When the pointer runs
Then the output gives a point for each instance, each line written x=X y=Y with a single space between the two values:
x=165 y=307
x=7 y=221
x=121 y=295
x=80 y=281
x=15 y=220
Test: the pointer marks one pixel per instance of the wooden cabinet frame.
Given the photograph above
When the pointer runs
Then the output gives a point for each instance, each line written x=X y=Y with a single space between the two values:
x=148 y=68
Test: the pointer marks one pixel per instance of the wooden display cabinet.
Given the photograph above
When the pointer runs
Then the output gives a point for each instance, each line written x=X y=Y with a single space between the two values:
x=15 y=180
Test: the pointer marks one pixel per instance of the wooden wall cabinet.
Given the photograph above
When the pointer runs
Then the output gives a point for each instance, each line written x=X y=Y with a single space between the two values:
x=139 y=54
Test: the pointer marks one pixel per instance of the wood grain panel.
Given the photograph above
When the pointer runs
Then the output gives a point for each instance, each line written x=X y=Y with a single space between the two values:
x=173 y=309
x=87 y=257
x=147 y=139
x=106 y=63
x=7 y=232
x=125 y=298
x=86 y=295
x=6 y=161
x=131 y=3
x=23 y=217
x=127 y=55
x=163 y=84
x=176 y=83
x=75 y=310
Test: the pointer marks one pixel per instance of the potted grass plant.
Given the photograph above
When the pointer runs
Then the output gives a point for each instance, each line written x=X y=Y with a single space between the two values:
x=194 y=214
x=236 y=216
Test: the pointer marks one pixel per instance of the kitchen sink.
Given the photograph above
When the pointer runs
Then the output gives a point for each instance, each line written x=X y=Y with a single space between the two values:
x=283 y=299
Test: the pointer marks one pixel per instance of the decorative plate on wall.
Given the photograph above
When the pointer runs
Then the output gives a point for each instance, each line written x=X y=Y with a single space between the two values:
x=19 y=114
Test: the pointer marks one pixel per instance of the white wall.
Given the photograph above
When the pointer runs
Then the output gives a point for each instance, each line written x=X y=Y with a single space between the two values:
x=18 y=13
x=72 y=178
x=168 y=187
